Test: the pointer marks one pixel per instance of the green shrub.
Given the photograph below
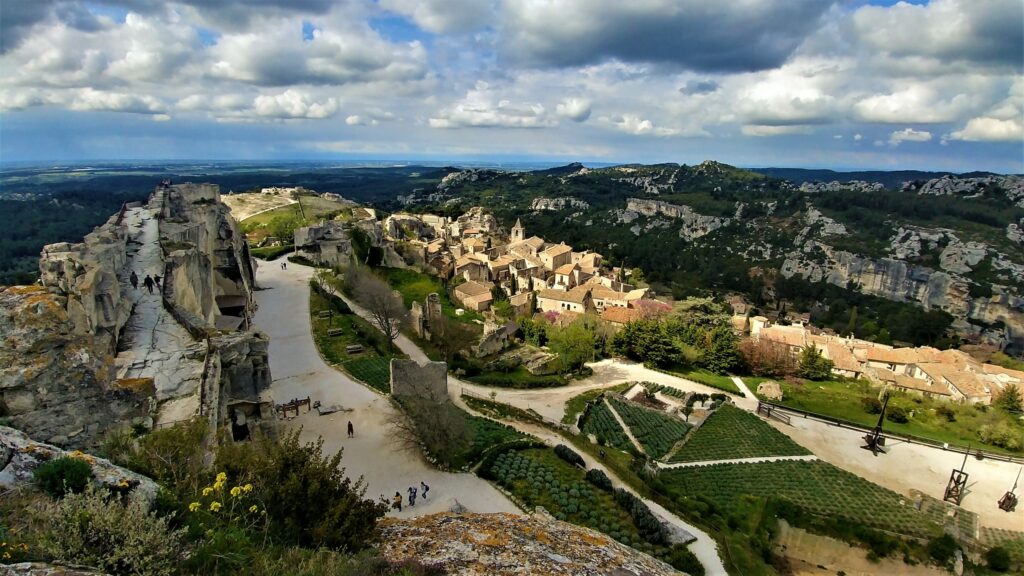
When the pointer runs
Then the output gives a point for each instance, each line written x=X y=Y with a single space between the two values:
x=871 y=405
x=600 y=479
x=309 y=500
x=92 y=529
x=570 y=456
x=946 y=412
x=942 y=549
x=998 y=559
x=897 y=414
x=62 y=476
x=682 y=559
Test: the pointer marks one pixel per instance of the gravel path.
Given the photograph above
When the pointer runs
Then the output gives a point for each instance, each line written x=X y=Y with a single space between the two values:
x=665 y=466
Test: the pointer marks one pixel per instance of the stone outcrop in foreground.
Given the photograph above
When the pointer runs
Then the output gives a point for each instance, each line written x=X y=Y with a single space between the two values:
x=20 y=456
x=489 y=544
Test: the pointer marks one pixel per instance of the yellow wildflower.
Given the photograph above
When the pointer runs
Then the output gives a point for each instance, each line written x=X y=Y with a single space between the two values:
x=236 y=491
x=253 y=508
x=7 y=555
x=123 y=483
x=222 y=477
x=215 y=506
x=247 y=488
x=194 y=506
x=207 y=491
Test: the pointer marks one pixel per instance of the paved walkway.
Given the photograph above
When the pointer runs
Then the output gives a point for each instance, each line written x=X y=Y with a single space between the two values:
x=749 y=400
x=299 y=371
x=664 y=465
x=153 y=344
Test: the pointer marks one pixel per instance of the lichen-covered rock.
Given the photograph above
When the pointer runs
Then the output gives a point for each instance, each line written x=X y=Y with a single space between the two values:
x=22 y=455
x=44 y=569
x=56 y=382
x=558 y=204
x=499 y=544
x=770 y=389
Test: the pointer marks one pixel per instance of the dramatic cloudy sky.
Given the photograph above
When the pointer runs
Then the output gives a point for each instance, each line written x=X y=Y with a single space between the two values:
x=817 y=83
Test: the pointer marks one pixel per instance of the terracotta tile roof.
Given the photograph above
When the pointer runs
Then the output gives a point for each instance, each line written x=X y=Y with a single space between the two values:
x=636 y=294
x=602 y=292
x=896 y=355
x=783 y=334
x=557 y=250
x=471 y=289
x=566 y=269
x=1007 y=373
x=577 y=295
x=967 y=383
x=618 y=315
x=521 y=299
x=842 y=357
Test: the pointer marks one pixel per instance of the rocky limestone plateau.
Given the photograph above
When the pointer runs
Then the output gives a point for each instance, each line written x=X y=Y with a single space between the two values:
x=84 y=351
x=497 y=544
x=694 y=225
x=1012 y=186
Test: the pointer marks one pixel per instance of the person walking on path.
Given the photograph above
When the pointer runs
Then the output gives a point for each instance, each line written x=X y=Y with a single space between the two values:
x=412 y=495
x=351 y=430
x=149 y=283
x=134 y=279
x=156 y=280
x=396 y=502
x=424 y=488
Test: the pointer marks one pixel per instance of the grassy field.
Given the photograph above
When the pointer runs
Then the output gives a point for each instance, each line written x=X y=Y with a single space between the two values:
x=415 y=286
x=372 y=366
x=734 y=433
x=656 y=431
x=815 y=486
x=710 y=379
x=842 y=400
x=271 y=252
x=520 y=377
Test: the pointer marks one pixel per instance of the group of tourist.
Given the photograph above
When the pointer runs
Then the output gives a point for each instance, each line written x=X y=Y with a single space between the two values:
x=148 y=281
x=396 y=502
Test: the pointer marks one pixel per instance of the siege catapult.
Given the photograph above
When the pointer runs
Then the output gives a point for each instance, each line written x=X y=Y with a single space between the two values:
x=1009 y=500
x=874 y=440
x=957 y=484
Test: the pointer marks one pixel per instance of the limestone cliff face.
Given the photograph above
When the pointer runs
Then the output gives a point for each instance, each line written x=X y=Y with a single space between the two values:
x=57 y=383
x=694 y=225
x=500 y=544
x=208 y=267
x=86 y=275
x=898 y=280
x=558 y=204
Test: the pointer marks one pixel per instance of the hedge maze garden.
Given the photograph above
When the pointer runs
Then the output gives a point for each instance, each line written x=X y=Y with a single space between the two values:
x=657 y=432
x=731 y=433
x=600 y=422
x=815 y=486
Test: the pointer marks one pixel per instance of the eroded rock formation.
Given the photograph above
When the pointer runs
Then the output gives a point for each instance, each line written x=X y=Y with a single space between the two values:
x=497 y=544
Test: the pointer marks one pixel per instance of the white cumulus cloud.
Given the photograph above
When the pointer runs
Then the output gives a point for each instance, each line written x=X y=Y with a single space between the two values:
x=575 y=109
x=909 y=135
x=293 y=104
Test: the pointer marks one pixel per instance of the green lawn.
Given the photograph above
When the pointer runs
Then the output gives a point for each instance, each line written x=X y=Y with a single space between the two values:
x=415 y=286
x=710 y=379
x=842 y=400
x=734 y=433
x=520 y=377
x=817 y=487
x=271 y=252
x=372 y=366
x=656 y=431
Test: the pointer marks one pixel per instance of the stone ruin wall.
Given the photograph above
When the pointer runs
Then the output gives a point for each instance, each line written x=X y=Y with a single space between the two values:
x=409 y=378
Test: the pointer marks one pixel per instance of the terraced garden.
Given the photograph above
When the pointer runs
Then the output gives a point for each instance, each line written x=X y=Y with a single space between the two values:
x=730 y=433
x=537 y=477
x=577 y=403
x=815 y=486
x=600 y=422
x=1012 y=540
x=666 y=390
x=655 y=431
x=373 y=370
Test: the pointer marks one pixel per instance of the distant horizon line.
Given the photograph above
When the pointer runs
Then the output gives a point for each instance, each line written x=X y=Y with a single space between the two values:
x=436 y=163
